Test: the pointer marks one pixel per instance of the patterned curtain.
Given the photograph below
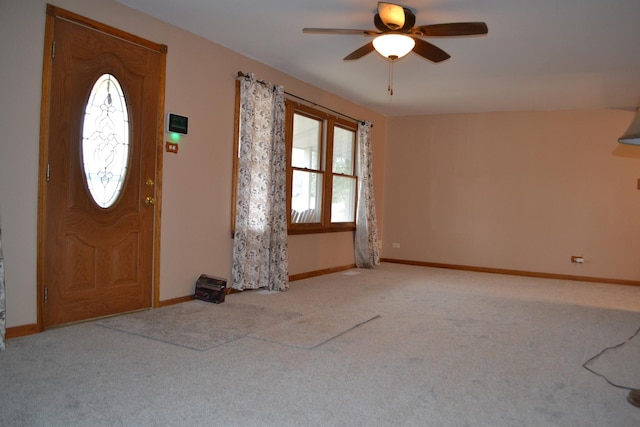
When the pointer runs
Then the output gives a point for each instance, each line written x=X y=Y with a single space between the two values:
x=367 y=254
x=3 y=311
x=260 y=258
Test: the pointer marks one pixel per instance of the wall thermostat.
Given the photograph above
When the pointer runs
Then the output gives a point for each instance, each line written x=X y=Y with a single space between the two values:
x=177 y=124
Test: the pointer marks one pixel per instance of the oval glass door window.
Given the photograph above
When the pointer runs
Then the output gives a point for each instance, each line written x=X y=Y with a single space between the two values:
x=105 y=141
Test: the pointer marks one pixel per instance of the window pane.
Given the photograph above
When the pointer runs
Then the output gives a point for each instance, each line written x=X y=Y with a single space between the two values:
x=306 y=196
x=343 y=199
x=306 y=142
x=343 y=143
x=105 y=141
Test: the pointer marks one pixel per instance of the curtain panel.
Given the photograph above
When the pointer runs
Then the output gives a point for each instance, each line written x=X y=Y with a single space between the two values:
x=3 y=310
x=260 y=258
x=367 y=254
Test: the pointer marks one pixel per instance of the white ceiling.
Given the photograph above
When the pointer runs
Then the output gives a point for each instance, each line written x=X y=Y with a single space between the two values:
x=538 y=54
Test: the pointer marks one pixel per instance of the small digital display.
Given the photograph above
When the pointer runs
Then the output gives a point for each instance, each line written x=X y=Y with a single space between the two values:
x=178 y=124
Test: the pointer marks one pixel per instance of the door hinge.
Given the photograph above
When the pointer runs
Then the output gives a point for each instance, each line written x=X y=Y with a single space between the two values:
x=53 y=49
x=46 y=294
x=48 y=172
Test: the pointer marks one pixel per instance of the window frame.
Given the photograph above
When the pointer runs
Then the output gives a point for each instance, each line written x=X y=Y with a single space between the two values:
x=329 y=122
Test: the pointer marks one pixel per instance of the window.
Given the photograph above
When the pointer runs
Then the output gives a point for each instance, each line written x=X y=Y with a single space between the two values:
x=321 y=171
x=322 y=177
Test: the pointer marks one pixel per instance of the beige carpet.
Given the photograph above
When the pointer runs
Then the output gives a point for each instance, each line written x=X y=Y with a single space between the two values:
x=619 y=363
x=450 y=348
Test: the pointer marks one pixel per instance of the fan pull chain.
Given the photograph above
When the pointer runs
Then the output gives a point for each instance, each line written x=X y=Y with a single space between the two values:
x=392 y=59
x=390 y=84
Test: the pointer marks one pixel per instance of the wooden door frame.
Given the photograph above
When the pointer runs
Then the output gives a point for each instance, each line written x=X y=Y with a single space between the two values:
x=52 y=13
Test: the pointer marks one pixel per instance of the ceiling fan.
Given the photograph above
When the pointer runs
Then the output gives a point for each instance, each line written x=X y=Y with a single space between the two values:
x=397 y=34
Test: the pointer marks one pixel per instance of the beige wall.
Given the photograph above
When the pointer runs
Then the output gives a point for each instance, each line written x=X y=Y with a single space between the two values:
x=519 y=191
x=196 y=182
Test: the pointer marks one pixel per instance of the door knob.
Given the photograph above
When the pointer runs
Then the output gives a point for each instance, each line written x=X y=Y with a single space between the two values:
x=149 y=201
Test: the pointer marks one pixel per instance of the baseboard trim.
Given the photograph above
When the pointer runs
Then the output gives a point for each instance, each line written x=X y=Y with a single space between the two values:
x=300 y=276
x=175 y=301
x=22 y=331
x=515 y=272
x=292 y=278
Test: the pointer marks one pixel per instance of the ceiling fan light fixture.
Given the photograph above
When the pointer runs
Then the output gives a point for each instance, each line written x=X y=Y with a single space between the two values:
x=391 y=14
x=393 y=46
x=632 y=135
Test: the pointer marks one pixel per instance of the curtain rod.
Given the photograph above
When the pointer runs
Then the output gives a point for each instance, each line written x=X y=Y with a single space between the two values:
x=241 y=74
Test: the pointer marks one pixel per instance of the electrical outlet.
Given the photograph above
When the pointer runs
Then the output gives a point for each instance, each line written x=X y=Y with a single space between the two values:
x=577 y=259
x=395 y=245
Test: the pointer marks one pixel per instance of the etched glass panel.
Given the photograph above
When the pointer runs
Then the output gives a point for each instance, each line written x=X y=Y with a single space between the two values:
x=105 y=141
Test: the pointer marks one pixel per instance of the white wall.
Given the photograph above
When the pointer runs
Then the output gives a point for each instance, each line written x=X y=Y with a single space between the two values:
x=196 y=182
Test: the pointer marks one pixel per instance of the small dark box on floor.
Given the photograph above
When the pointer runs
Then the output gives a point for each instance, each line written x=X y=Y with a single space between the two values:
x=211 y=289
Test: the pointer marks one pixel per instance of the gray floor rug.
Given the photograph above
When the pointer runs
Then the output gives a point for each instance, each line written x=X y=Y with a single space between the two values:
x=311 y=331
x=198 y=325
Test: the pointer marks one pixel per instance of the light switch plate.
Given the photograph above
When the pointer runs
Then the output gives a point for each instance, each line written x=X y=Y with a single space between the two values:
x=171 y=147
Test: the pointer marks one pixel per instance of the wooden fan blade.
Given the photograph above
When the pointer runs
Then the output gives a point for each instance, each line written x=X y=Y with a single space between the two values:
x=429 y=51
x=336 y=31
x=360 y=52
x=451 y=30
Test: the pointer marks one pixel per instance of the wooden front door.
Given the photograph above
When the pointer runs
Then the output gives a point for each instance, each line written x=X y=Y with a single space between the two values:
x=103 y=121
